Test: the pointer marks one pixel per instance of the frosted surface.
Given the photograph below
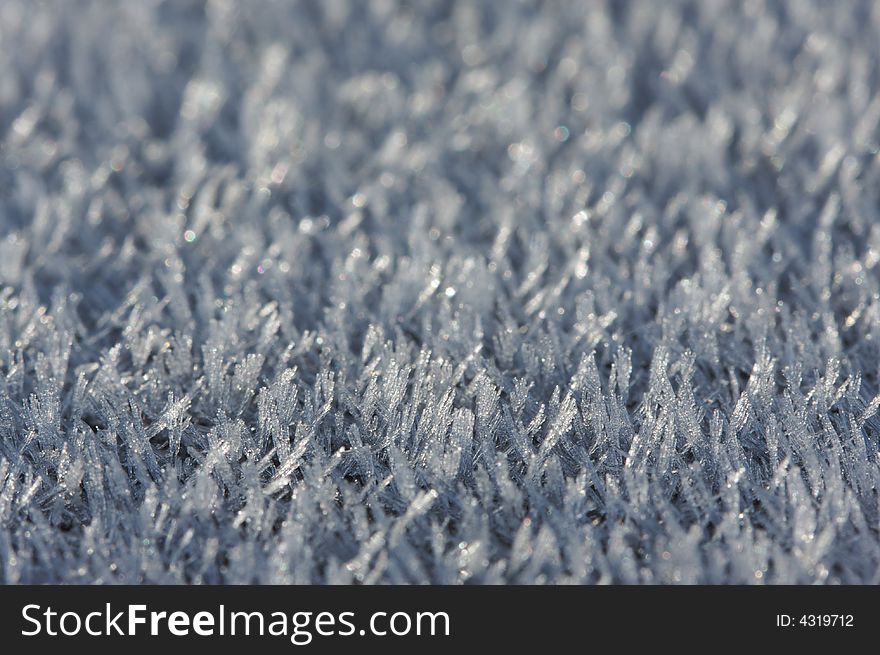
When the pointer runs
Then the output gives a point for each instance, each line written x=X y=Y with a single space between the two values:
x=439 y=292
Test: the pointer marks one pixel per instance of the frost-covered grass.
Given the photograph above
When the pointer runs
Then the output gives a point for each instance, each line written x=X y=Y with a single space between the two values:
x=439 y=292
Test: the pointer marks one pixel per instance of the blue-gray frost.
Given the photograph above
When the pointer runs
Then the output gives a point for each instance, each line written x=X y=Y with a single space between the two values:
x=439 y=292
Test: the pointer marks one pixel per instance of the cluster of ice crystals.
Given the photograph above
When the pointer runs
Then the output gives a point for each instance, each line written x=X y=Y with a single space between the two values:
x=445 y=292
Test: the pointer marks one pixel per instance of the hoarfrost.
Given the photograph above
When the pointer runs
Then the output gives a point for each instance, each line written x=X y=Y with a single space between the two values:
x=464 y=292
